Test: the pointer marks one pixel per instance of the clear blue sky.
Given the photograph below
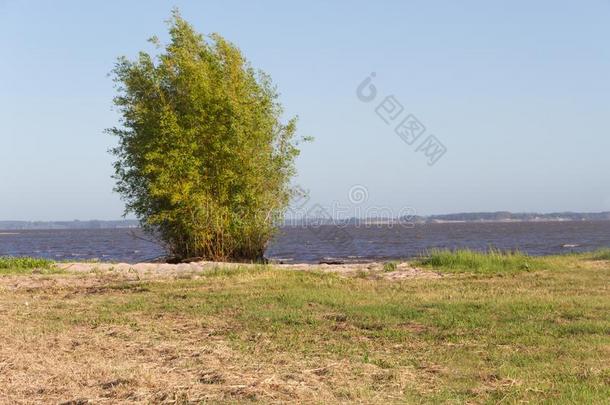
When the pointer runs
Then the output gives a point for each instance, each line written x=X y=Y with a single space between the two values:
x=517 y=91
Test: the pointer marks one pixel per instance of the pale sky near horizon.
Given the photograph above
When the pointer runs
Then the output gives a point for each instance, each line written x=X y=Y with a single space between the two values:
x=517 y=91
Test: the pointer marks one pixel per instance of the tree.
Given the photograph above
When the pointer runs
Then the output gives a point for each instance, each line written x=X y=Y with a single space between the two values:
x=203 y=159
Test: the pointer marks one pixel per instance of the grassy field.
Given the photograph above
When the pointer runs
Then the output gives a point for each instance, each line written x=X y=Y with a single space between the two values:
x=494 y=328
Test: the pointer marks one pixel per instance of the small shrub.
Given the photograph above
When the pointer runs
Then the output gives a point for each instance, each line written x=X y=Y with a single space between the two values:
x=24 y=264
x=389 y=266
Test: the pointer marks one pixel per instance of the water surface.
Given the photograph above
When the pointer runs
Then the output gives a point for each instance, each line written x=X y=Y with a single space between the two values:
x=312 y=244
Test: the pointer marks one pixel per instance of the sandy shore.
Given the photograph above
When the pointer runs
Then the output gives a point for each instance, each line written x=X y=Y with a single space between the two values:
x=172 y=271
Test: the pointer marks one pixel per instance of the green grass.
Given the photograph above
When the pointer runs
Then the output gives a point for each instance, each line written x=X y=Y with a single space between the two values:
x=482 y=335
x=25 y=265
x=603 y=254
x=493 y=261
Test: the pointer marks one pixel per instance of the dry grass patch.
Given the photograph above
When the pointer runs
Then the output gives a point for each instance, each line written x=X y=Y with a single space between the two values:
x=267 y=334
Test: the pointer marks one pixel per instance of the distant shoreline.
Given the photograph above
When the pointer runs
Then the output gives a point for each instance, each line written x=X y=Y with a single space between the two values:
x=477 y=218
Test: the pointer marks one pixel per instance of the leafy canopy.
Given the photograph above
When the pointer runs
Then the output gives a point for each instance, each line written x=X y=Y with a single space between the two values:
x=203 y=158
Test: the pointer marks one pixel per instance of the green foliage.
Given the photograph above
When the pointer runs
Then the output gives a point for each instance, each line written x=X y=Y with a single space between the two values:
x=10 y=265
x=390 y=266
x=203 y=159
x=603 y=254
x=7 y=262
x=494 y=261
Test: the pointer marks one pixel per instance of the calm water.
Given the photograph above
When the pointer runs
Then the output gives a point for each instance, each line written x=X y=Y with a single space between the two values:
x=318 y=243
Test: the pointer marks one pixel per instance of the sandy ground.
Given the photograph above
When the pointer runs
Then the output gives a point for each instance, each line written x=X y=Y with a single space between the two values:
x=172 y=271
x=95 y=275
